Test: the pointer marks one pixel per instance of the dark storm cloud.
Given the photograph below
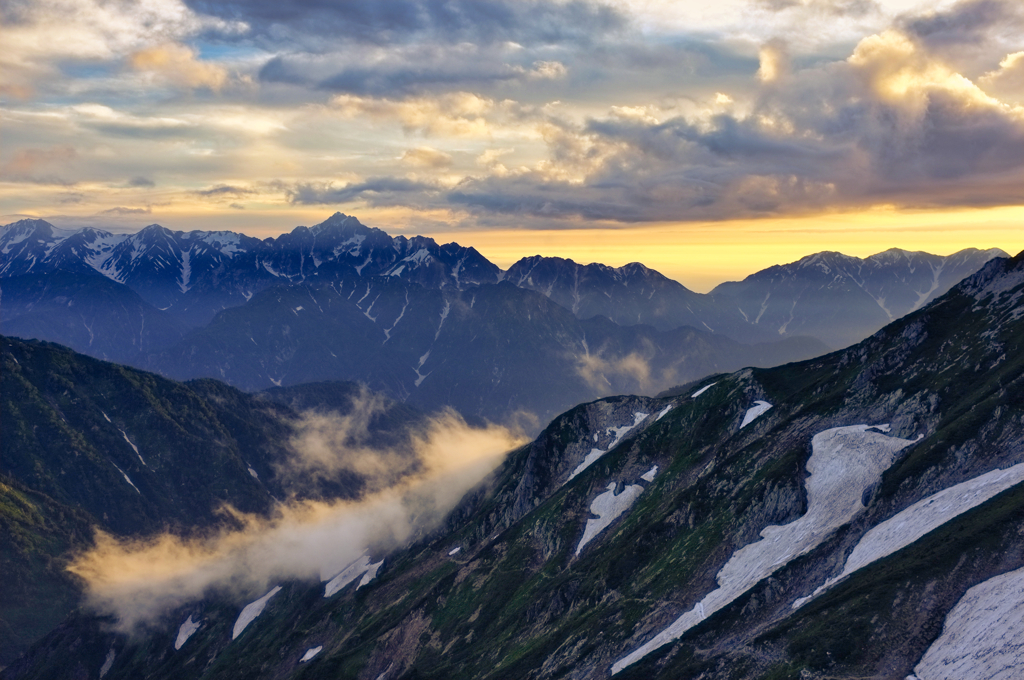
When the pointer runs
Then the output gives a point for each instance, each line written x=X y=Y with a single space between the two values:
x=225 y=190
x=438 y=70
x=328 y=22
x=377 y=190
x=966 y=22
x=119 y=210
x=833 y=136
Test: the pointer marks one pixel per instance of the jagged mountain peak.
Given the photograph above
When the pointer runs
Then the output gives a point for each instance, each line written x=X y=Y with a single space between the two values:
x=155 y=231
x=29 y=224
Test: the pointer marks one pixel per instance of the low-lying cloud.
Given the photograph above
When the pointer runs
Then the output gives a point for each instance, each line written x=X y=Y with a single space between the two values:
x=411 y=488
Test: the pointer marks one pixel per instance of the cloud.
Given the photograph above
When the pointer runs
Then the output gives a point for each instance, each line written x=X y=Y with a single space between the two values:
x=376 y=190
x=1006 y=82
x=119 y=210
x=140 y=580
x=225 y=191
x=891 y=124
x=425 y=156
x=548 y=70
x=39 y=165
x=456 y=114
x=178 y=64
x=604 y=373
x=968 y=21
x=140 y=181
x=774 y=61
x=526 y=22
x=831 y=8
x=119 y=123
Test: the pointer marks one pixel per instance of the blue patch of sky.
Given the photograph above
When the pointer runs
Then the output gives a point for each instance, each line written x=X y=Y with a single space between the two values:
x=227 y=52
x=87 y=70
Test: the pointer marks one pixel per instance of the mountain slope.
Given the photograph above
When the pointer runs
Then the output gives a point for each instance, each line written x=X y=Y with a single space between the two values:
x=628 y=295
x=488 y=351
x=88 y=444
x=89 y=313
x=37 y=534
x=631 y=520
x=842 y=299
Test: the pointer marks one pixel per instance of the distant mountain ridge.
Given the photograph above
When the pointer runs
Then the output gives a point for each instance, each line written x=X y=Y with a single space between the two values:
x=834 y=297
x=193 y=275
x=196 y=274
x=437 y=325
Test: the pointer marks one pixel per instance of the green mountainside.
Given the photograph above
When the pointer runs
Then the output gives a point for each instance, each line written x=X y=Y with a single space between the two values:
x=91 y=444
x=518 y=584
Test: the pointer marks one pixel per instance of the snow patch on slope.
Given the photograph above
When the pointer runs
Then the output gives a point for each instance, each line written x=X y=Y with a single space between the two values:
x=921 y=518
x=185 y=631
x=126 y=477
x=251 y=611
x=108 y=663
x=347 y=575
x=702 y=390
x=608 y=507
x=310 y=653
x=134 y=447
x=845 y=461
x=753 y=412
x=595 y=453
x=369 y=574
x=983 y=636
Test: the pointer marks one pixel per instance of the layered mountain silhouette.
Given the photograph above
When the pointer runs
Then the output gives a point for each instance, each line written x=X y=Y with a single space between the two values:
x=853 y=515
x=435 y=325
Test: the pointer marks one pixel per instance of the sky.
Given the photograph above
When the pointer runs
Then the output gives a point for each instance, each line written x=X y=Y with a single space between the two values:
x=706 y=140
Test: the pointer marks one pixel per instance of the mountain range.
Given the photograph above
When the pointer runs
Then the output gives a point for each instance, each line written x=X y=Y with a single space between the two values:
x=435 y=325
x=853 y=515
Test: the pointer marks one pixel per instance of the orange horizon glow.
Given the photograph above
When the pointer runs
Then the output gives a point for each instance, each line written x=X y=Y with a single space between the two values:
x=703 y=255
x=699 y=255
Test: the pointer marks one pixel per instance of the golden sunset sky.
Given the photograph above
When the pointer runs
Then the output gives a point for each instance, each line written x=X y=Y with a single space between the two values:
x=706 y=140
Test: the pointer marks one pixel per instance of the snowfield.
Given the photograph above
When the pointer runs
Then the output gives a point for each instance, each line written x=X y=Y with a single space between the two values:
x=619 y=432
x=983 y=637
x=608 y=507
x=921 y=518
x=251 y=611
x=845 y=461
x=702 y=390
x=753 y=412
x=369 y=574
x=347 y=575
x=185 y=631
